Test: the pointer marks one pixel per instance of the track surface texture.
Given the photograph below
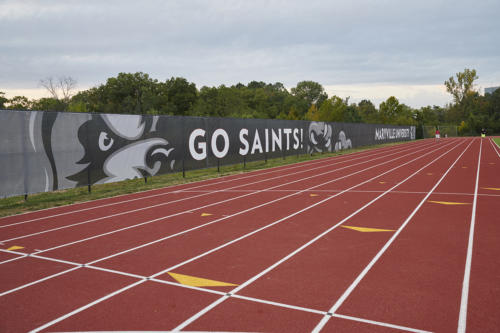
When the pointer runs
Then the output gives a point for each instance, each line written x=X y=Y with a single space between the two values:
x=395 y=239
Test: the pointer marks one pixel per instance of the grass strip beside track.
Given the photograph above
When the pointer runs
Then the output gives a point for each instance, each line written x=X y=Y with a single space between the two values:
x=17 y=204
x=497 y=141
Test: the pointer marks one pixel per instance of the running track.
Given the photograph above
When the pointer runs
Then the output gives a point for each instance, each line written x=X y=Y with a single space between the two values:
x=272 y=250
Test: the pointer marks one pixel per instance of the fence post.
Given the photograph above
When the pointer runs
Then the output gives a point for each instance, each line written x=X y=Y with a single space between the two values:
x=183 y=147
x=88 y=180
x=92 y=155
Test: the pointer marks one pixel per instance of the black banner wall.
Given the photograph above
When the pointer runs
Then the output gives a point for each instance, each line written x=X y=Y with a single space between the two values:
x=47 y=151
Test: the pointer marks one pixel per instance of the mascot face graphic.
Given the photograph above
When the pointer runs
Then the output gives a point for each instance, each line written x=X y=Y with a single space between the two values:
x=118 y=147
x=321 y=138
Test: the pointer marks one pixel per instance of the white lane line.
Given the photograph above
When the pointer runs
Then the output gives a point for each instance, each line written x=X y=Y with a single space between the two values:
x=12 y=259
x=496 y=148
x=130 y=286
x=22 y=254
x=462 y=320
x=365 y=271
x=250 y=174
x=212 y=204
x=362 y=191
x=19 y=255
x=206 y=194
x=276 y=264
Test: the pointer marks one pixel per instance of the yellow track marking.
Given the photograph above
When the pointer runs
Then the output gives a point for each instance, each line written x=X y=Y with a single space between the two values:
x=206 y=214
x=198 y=282
x=363 y=229
x=382 y=182
x=491 y=188
x=429 y=173
x=15 y=247
x=451 y=203
x=313 y=195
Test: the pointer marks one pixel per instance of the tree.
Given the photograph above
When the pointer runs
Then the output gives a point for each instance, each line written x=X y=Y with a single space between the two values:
x=310 y=91
x=390 y=110
x=61 y=88
x=351 y=114
x=332 y=109
x=19 y=103
x=367 y=112
x=181 y=95
x=134 y=93
x=427 y=115
x=48 y=104
x=312 y=114
x=131 y=93
x=463 y=86
x=256 y=84
x=3 y=100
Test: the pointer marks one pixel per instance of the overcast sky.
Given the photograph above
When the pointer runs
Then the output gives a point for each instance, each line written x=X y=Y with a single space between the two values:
x=357 y=48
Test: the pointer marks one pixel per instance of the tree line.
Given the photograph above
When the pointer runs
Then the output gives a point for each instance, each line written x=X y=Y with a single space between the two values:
x=138 y=93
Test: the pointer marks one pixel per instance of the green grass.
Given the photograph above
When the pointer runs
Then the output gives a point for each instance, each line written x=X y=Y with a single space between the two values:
x=497 y=141
x=17 y=204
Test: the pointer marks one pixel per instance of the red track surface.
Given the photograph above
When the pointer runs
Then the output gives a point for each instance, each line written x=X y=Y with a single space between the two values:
x=278 y=237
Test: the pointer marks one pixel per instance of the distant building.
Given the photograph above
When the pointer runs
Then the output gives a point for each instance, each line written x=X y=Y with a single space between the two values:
x=490 y=90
